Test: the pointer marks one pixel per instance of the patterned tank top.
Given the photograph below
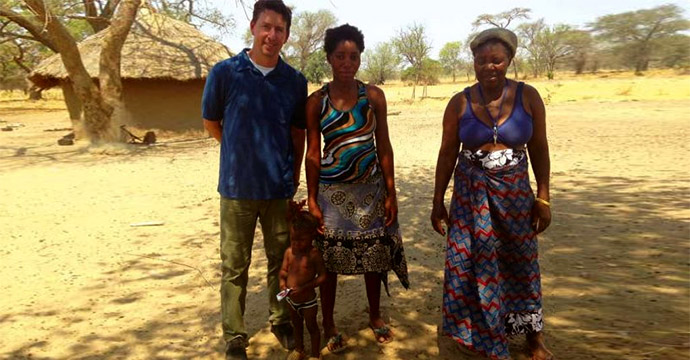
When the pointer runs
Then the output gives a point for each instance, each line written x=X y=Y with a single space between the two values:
x=349 y=152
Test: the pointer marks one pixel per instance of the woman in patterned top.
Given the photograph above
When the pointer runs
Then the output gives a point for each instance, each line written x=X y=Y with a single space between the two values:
x=351 y=188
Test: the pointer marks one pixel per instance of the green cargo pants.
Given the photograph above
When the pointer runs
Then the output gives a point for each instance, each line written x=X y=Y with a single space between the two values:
x=237 y=226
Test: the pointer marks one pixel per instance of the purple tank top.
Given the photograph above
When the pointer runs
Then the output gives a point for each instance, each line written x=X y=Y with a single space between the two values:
x=515 y=131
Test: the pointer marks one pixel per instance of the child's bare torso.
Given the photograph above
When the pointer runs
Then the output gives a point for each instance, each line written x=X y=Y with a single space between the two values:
x=301 y=270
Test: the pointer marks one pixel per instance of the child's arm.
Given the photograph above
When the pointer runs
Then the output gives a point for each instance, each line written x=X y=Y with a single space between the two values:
x=284 y=269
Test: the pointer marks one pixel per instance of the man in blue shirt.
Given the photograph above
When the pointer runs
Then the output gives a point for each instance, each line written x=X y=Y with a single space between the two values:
x=253 y=104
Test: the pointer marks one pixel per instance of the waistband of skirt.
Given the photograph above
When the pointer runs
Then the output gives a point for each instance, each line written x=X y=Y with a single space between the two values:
x=492 y=160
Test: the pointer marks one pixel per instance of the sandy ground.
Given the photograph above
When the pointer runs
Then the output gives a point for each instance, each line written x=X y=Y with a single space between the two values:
x=78 y=282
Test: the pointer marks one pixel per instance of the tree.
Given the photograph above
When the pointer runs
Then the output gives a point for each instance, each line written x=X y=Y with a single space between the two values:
x=581 y=46
x=450 y=57
x=430 y=71
x=468 y=68
x=20 y=52
x=317 y=67
x=196 y=13
x=502 y=19
x=675 y=51
x=48 y=22
x=554 y=45
x=380 y=64
x=412 y=44
x=530 y=40
x=99 y=102
x=546 y=45
x=635 y=35
x=17 y=58
x=306 y=36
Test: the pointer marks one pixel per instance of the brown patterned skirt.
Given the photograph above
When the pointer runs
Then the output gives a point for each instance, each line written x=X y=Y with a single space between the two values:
x=356 y=239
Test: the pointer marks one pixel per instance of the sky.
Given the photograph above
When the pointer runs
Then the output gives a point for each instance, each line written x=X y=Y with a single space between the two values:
x=444 y=20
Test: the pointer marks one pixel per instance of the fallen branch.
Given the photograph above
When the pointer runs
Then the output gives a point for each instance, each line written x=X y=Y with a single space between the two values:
x=176 y=263
x=147 y=223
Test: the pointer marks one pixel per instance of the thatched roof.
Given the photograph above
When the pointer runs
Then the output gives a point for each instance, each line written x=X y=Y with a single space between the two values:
x=157 y=47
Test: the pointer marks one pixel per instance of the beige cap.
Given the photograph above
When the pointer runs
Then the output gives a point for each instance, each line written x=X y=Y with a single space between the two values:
x=504 y=35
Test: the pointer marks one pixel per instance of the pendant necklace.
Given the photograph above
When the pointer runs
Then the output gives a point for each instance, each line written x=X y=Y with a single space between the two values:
x=500 y=109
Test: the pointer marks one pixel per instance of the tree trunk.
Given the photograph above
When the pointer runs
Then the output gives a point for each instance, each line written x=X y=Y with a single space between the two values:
x=580 y=64
x=74 y=108
x=35 y=93
x=96 y=116
x=109 y=66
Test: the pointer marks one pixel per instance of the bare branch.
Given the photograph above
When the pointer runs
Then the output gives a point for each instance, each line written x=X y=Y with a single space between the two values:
x=90 y=8
x=31 y=24
x=11 y=36
x=503 y=19
x=18 y=59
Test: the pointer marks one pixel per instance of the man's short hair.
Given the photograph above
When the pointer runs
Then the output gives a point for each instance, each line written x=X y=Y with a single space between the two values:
x=273 y=5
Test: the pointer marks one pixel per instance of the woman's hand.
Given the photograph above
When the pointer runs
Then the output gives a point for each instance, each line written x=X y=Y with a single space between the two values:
x=541 y=217
x=391 y=209
x=439 y=215
x=315 y=211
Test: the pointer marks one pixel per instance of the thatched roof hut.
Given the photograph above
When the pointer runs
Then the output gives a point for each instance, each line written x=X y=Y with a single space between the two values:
x=163 y=68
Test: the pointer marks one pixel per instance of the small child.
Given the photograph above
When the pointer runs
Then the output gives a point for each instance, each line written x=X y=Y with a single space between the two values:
x=303 y=270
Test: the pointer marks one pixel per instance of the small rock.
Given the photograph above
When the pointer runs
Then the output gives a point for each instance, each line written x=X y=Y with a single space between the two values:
x=65 y=141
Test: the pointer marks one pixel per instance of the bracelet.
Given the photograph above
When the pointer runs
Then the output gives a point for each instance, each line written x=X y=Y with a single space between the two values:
x=540 y=200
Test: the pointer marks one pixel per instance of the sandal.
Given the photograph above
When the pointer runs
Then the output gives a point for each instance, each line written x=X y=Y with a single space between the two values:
x=296 y=355
x=382 y=333
x=336 y=344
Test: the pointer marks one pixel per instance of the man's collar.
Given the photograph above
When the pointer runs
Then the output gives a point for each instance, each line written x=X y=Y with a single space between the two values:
x=246 y=63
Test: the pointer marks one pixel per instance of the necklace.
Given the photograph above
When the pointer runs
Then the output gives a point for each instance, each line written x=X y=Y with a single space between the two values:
x=494 y=120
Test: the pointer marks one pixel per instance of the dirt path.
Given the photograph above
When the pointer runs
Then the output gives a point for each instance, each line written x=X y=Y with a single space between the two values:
x=78 y=282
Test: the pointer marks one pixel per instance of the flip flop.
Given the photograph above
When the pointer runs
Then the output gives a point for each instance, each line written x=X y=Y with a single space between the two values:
x=336 y=344
x=383 y=332
x=296 y=355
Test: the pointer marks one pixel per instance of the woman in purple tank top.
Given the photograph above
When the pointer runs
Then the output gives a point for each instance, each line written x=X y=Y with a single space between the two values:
x=492 y=287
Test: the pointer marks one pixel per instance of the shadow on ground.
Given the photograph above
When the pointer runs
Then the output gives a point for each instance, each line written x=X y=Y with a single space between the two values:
x=620 y=292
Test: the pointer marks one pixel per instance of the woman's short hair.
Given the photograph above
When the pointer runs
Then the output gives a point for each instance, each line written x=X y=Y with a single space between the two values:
x=344 y=32
x=273 y=5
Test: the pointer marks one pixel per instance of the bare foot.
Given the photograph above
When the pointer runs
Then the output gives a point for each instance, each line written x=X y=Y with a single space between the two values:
x=382 y=332
x=537 y=347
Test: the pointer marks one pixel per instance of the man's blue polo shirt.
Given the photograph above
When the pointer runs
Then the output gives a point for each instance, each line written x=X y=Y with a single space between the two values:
x=257 y=111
